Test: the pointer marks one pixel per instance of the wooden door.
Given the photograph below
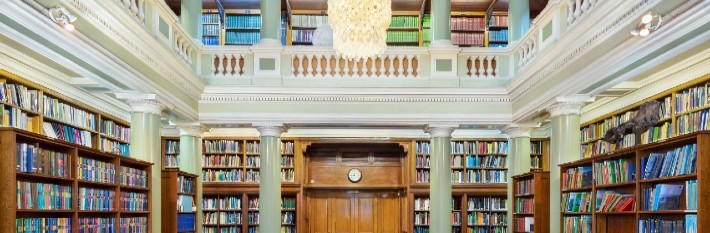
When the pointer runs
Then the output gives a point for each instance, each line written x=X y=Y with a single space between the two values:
x=354 y=212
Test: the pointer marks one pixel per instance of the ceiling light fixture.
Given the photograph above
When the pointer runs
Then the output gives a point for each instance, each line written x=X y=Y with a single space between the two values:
x=359 y=27
x=650 y=22
x=61 y=16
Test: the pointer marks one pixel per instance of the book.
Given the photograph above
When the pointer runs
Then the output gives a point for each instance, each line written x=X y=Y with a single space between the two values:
x=221 y=161
x=422 y=148
x=487 y=176
x=111 y=129
x=97 y=199
x=611 y=201
x=230 y=217
x=19 y=95
x=69 y=114
x=422 y=176
x=421 y=204
x=31 y=158
x=662 y=197
x=525 y=223
x=186 y=222
x=577 y=224
x=186 y=185
x=222 y=175
x=115 y=147
x=691 y=223
x=133 y=177
x=89 y=225
x=675 y=162
x=185 y=204
x=134 y=225
x=615 y=171
x=485 y=161
x=134 y=201
x=252 y=175
x=53 y=225
x=524 y=205
x=96 y=171
x=661 y=225
x=43 y=196
x=524 y=187
x=576 y=202
x=287 y=148
x=691 y=195
x=578 y=177
x=252 y=147
x=220 y=146
x=486 y=203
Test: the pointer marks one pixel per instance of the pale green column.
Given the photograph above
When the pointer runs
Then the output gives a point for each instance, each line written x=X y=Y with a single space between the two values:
x=564 y=147
x=145 y=145
x=440 y=17
x=270 y=19
x=518 y=18
x=191 y=160
x=518 y=161
x=270 y=180
x=440 y=179
x=190 y=17
x=188 y=143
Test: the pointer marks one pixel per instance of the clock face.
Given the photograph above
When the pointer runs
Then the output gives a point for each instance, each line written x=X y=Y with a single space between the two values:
x=354 y=175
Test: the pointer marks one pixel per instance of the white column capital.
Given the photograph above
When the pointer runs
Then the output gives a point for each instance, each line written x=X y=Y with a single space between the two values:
x=440 y=131
x=519 y=130
x=270 y=129
x=192 y=129
x=144 y=103
x=568 y=105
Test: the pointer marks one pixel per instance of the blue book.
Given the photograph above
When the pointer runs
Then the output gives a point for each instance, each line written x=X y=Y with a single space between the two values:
x=648 y=166
x=668 y=197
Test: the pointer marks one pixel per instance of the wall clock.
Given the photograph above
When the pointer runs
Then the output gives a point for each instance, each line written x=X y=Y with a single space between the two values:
x=354 y=175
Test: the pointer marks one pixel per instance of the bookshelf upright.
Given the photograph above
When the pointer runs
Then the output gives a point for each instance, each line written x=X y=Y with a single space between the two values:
x=531 y=202
x=178 y=201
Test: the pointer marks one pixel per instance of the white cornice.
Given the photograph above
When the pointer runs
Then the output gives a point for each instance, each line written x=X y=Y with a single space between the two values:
x=228 y=99
x=341 y=118
x=346 y=133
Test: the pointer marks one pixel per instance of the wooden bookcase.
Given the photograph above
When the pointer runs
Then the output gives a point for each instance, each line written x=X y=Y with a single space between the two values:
x=468 y=29
x=497 y=29
x=628 y=221
x=303 y=24
x=531 y=188
x=228 y=205
x=539 y=154
x=170 y=149
x=405 y=29
x=211 y=26
x=177 y=187
x=116 y=183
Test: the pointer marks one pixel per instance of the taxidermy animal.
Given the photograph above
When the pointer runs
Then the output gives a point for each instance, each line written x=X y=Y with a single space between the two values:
x=645 y=118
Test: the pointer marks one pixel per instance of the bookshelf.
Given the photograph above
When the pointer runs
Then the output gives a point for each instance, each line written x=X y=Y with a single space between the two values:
x=252 y=213
x=222 y=213
x=470 y=212
x=531 y=208
x=404 y=29
x=497 y=29
x=178 y=201
x=426 y=30
x=289 y=215
x=475 y=161
x=211 y=28
x=539 y=154
x=421 y=214
x=635 y=174
x=468 y=29
x=94 y=184
x=171 y=152
x=242 y=27
x=303 y=24
x=288 y=158
x=30 y=107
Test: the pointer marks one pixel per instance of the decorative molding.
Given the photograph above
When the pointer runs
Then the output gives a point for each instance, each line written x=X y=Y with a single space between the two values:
x=218 y=98
x=194 y=129
x=567 y=105
x=519 y=130
x=145 y=103
x=270 y=130
x=441 y=131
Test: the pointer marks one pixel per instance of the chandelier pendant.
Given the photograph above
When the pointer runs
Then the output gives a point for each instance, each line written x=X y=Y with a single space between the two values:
x=359 y=27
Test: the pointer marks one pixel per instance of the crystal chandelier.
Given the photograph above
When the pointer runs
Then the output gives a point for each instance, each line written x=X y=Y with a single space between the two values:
x=359 y=27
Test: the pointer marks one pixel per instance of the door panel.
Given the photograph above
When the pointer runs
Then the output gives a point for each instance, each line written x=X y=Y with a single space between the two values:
x=389 y=213
x=341 y=212
x=318 y=217
x=366 y=214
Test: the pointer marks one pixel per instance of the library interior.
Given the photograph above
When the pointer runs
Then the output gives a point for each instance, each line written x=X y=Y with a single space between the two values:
x=354 y=116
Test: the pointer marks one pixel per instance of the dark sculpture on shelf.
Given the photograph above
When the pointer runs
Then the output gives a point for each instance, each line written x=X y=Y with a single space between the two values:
x=646 y=117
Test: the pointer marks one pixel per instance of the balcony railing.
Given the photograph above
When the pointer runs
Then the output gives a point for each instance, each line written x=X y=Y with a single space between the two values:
x=319 y=62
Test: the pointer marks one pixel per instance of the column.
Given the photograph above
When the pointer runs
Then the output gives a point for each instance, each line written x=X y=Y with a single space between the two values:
x=440 y=179
x=270 y=180
x=191 y=160
x=145 y=145
x=271 y=21
x=564 y=147
x=440 y=27
x=190 y=17
x=518 y=161
x=518 y=18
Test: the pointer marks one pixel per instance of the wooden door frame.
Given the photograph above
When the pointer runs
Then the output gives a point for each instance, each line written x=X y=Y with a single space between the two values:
x=308 y=194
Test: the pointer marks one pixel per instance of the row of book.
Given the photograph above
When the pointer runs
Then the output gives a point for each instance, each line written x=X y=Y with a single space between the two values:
x=497 y=44
x=171 y=161
x=287 y=148
x=224 y=203
x=214 y=218
x=114 y=147
x=421 y=218
x=186 y=184
x=526 y=224
x=402 y=36
x=486 y=219
x=594 y=131
x=172 y=147
x=253 y=218
x=426 y=34
x=186 y=222
x=524 y=187
x=253 y=147
x=185 y=204
x=134 y=225
x=221 y=161
x=524 y=205
x=242 y=37
x=499 y=36
x=113 y=130
x=97 y=199
x=19 y=95
x=679 y=161
x=288 y=175
x=536 y=148
x=252 y=176
x=422 y=148
x=486 y=204
x=471 y=39
x=611 y=201
x=535 y=162
x=577 y=177
x=457 y=177
x=222 y=175
x=133 y=177
x=96 y=171
x=287 y=161
x=302 y=35
x=288 y=218
x=41 y=196
x=478 y=161
x=133 y=201
x=653 y=225
x=49 y=225
x=404 y=22
x=309 y=21
x=615 y=171
x=577 y=224
x=692 y=98
x=210 y=40
x=479 y=148
x=288 y=203
x=69 y=114
x=576 y=202
x=224 y=229
x=97 y=225
x=209 y=18
x=221 y=146
x=421 y=229
x=422 y=161
x=288 y=229
x=468 y=23
x=253 y=203
x=421 y=204
x=487 y=229
x=665 y=197
x=487 y=176
x=593 y=149
x=656 y=133
x=498 y=20
x=693 y=122
x=253 y=161
x=14 y=117
x=242 y=22
x=456 y=219
x=665 y=111
x=67 y=133
x=31 y=158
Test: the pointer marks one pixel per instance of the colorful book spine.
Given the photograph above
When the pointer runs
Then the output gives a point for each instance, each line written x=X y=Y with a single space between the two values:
x=41 y=196
x=524 y=187
x=220 y=146
x=253 y=218
x=114 y=147
x=134 y=225
x=487 y=176
x=97 y=199
x=524 y=205
x=693 y=122
x=423 y=161
x=253 y=147
x=230 y=203
x=577 y=224
x=133 y=177
x=615 y=171
x=111 y=129
x=97 y=225
x=486 y=204
x=14 y=117
x=498 y=21
x=691 y=195
x=675 y=162
x=577 y=202
x=252 y=175
x=579 y=177
x=133 y=201
x=422 y=148
x=404 y=22
x=230 y=218
x=33 y=159
x=287 y=148
x=96 y=171
x=421 y=218
x=253 y=203
x=288 y=203
x=486 y=161
x=468 y=24
x=653 y=225
x=222 y=175
x=467 y=38
x=253 y=161
x=402 y=36
x=221 y=161
x=611 y=201
x=242 y=37
x=288 y=175
x=186 y=185
x=186 y=222
x=19 y=95
x=242 y=22
x=486 y=148
x=287 y=161
x=69 y=114
x=51 y=225
x=422 y=176
x=692 y=98
x=67 y=133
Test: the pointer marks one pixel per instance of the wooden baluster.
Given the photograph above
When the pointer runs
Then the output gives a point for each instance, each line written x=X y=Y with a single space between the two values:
x=409 y=65
x=381 y=68
x=496 y=68
x=213 y=67
x=469 y=66
x=327 y=65
x=310 y=66
x=319 y=68
x=220 y=65
x=240 y=64
x=478 y=65
x=337 y=66
x=391 y=68
x=230 y=69
x=300 y=66
x=369 y=68
x=400 y=67
x=570 y=12
x=294 y=65
x=418 y=64
x=489 y=66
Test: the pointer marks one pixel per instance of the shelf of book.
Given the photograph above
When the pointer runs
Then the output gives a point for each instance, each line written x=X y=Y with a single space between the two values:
x=470 y=212
x=539 y=154
x=170 y=148
x=473 y=161
x=637 y=188
x=178 y=193
x=497 y=28
x=303 y=24
x=468 y=29
x=532 y=202
x=62 y=185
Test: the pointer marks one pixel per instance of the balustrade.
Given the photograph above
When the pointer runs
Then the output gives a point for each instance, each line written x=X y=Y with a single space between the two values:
x=332 y=65
x=482 y=66
x=576 y=9
x=134 y=7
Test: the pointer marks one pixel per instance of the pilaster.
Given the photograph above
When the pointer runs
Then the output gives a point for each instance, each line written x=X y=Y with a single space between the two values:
x=270 y=179
x=191 y=159
x=440 y=178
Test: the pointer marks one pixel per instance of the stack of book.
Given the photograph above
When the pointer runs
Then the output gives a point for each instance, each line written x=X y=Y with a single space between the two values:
x=96 y=171
x=610 y=201
x=131 y=201
x=54 y=225
x=41 y=196
x=97 y=199
x=615 y=171
x=33 y=159
x=679 y=161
